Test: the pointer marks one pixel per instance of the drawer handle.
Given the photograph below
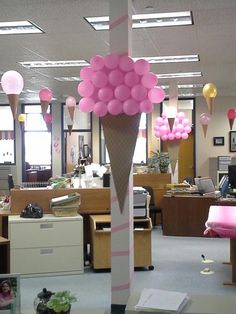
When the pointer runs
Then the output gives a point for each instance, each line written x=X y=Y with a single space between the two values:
x=46 y=251
x=46 y=226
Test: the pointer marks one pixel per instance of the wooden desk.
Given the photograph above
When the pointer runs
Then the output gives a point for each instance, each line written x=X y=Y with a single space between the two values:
x=185 y=215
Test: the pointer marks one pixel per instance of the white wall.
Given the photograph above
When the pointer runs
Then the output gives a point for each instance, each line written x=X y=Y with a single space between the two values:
x=218 y=126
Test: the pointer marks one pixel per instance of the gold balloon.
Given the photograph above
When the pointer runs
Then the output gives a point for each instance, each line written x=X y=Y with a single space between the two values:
x=209 y=90
x=21 y=117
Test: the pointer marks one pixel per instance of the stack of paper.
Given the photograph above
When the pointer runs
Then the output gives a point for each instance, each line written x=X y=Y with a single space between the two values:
x=162 y=300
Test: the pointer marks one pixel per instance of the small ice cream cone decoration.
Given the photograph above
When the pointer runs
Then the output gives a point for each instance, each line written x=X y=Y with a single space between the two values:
x=71 y=111
x=209 y=91
x=13 y=101
x=231 y=115
x=204 y=128
x=204 y=120
x=21 y=119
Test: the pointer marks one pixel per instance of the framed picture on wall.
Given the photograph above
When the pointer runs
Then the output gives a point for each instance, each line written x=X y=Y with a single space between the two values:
x=10 y=293
x=219 y=141
x=232 y=141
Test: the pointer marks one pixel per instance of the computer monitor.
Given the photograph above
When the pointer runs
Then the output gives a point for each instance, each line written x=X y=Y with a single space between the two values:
x=232 y=176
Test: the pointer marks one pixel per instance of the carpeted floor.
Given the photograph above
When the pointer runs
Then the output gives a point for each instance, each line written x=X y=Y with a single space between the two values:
x=177 y=265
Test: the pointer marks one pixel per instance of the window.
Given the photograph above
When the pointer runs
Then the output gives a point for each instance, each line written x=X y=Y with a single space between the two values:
x=37 y=140
x=7 y=135
x=140 y=153
x=77 y=136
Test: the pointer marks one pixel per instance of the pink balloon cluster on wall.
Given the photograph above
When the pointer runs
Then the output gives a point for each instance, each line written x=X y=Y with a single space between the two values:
x=115 y=84
x=180 y=130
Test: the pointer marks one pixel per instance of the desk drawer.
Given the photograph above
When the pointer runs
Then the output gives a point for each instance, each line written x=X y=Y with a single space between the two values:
x=47 y=260
x=45 y=233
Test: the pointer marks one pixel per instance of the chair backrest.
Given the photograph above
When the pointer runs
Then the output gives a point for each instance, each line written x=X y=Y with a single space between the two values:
x=10 y=182
x=150 y=191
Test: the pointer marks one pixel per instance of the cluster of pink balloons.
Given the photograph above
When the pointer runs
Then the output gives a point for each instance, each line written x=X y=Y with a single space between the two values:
x=204 y=118
x=180 y=130
x=115 y=84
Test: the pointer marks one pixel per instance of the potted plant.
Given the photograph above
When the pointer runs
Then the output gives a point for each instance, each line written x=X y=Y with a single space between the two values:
x=60 y=302
x=159 y=162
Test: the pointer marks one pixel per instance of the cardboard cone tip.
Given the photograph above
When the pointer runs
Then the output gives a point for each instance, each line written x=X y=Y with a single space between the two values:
x=44 y=106
x=210 y=101
x=171 y=122
x=231 y=123
x=120 y=134
x=71 y=111
x=204 y=127
x=70 y=127
x=13 y=101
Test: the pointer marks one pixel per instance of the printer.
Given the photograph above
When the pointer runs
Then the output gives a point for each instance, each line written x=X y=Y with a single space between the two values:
x=139 y=202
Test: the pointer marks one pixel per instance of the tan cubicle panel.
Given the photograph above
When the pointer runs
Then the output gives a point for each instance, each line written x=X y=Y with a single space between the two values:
x=93 y=200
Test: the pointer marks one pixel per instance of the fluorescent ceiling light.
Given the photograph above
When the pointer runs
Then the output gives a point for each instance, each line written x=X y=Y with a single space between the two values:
x=19 y=27
x=146 y=20
x=67 y=78
x=180 y=74
x=171 y=59
x=54 y=64
x=184 y=86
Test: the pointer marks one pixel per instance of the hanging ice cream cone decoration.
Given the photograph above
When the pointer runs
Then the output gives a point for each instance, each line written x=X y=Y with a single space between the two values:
x=48 y=120
x=121 y=132
x=70 y=127
x=204 y=120
x=171 y=123
x=71 y=111
x=173 y=150
x=21 y=119
x=209 y=91
x=231 y=115
x=45 y=96
x=70 y=105
x=12 y=85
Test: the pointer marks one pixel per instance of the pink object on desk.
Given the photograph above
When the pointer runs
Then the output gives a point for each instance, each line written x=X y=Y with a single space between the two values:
x=221 y=221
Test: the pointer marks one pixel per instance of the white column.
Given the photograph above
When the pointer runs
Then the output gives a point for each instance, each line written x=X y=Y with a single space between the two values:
x=121 y=218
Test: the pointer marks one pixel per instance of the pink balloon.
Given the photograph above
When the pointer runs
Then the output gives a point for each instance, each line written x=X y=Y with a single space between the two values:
x=115 y=77
x=181 y=115
x=105 y=94
x=100 y=79
x=164 y=129
x=122 y=92
x=171 y=136
x=12 y=83
x=179 y=127
x=86 y=73
x=156 y=95
x=231 y=114
x=164 y=116
x=149 y=80
x=178 y=135
x=100 y=109
x=185 y=121
x=146 y=106
x=139 y=92
x=184 y=136
x=131 y=79
x=111 y=61
x=70 y=101
x=45 y=94
x=141 y=67
x=47 y=117
x=157 y=133
x=86 y=104
x=130 y=107
x=187 y=129
x=115 y=107
x=204 y=119
x=164 y=137
x=97 y=63
x=85 y=89
x=159 y=121
x=126 y=63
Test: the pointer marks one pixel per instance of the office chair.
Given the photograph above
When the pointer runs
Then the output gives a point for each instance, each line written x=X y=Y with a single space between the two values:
x=152 y=208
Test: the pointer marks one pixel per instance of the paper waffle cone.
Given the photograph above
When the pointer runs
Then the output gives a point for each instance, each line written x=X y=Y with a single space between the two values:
x=70 y=127
x=120 y=134
x=231 y=123
x=22 y=125
x=171 y=122
x=49 y=126
x=173 y=150
x=44 y=106
x=71 y=111
x=210 y=101
x=204 y=127
x=13 y=101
